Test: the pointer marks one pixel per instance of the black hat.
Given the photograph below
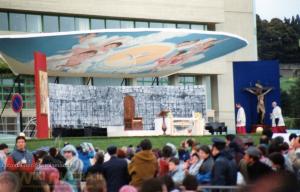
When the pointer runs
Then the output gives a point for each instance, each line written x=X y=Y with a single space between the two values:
x=218 y=143
x=217 y=140
x=112 y=149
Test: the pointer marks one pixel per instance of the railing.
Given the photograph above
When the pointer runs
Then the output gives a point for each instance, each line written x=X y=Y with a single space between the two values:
x=30 y=128
x=10 y=126
x=210 y=188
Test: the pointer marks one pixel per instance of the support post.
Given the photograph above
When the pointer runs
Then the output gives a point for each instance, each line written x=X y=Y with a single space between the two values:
x=41 y=95
x=20 y=116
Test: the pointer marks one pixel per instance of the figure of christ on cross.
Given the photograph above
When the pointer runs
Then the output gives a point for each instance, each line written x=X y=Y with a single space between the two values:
x=260 y=92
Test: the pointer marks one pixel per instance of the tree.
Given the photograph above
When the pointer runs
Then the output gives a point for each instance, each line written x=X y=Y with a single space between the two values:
x=278 y=40
x=295 y=95
x=295 y=103
x=286 y=103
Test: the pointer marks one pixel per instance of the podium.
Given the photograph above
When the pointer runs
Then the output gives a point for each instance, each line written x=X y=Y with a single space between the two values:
x=181 y=125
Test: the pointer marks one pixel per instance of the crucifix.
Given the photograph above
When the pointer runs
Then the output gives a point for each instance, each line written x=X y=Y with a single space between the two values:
x=260 y=91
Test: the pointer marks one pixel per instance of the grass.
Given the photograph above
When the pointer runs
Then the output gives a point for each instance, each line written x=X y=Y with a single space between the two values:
x=286 y=83
x=104 y=142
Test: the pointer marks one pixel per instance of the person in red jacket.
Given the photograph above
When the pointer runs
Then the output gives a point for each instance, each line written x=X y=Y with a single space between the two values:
x=20 y=160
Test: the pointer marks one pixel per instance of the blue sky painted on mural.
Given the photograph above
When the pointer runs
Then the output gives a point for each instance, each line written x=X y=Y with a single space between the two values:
x=122 y=52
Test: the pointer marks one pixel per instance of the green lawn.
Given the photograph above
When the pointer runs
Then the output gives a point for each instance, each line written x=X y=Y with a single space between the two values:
x=286 y=83
x=103 y=142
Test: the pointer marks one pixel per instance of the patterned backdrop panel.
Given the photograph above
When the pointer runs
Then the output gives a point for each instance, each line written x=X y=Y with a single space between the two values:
x=81 y=105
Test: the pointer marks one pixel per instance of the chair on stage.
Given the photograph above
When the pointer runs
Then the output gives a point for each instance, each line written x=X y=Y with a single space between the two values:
x=130 y=121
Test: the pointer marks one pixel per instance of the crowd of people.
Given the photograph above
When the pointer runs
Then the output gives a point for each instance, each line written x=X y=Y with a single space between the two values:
x=229 y=162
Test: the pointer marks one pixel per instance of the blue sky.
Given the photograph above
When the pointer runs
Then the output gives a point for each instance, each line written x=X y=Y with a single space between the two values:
x=268 y=9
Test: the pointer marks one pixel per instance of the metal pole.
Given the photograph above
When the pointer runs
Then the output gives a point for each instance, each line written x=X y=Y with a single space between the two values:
x=156 y=79
x=8 y=98
x=21 y=120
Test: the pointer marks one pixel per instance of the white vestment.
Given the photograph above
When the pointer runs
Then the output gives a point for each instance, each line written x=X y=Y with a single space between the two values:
x=276 y=113
x=241 y=117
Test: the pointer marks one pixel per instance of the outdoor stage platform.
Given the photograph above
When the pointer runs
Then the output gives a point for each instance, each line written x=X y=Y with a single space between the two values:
x=176 y=127
x=79 y=132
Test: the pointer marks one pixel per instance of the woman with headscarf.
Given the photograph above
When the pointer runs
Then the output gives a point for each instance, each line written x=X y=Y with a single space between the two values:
x=74 y=165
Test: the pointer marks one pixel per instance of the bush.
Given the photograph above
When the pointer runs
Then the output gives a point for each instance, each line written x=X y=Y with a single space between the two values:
x=292 y=123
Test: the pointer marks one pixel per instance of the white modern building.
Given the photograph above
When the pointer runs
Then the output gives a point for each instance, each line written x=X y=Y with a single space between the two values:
x=233 y=16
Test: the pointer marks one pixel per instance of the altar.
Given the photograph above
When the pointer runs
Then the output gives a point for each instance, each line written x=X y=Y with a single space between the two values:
x=176 y=126
x=181 y=125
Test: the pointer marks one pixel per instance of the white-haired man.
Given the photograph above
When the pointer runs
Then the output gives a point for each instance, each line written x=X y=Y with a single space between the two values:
x=277 y=119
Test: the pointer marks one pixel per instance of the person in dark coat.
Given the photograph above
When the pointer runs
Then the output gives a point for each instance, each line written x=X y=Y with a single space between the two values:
x=115 y=171
x=204 y=175
x=21 y=160
x=97 y=167
x=224 y=171
x=255 y=168
x=55 y=153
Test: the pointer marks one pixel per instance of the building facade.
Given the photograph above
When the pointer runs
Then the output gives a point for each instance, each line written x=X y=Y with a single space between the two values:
x=233 y=16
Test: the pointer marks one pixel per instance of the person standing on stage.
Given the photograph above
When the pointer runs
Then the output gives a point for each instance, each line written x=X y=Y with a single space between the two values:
x=276 y=116
x=240 y=119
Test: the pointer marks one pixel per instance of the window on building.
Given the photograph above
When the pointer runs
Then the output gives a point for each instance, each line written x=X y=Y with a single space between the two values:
x=198 y=27
x=144 y=81
x=5 y=87
x=50 y=23
x=141 y=24
x=147 y=81
x=17 y=22
x=97 y=24
x=107 y=81
x=163 y=81
x=51 y=79
x=8 y=125
x=156 y=25
x=113 y=24
x=183 y=26
x=187 y=80
x=34 y=23
x=28 y=92
x=71 y=80
x=67 y=23
x=82 y=24
x=127 y=24
x=3 y=21
x=169 y=25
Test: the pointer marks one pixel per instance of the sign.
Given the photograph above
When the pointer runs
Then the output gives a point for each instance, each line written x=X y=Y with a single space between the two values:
x=43 y=77
x=17 y=103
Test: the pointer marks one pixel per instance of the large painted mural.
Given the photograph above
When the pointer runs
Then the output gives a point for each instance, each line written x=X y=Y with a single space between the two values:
x=117 y=53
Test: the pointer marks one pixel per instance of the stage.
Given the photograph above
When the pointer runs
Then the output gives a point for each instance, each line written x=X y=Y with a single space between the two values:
x=175 y=127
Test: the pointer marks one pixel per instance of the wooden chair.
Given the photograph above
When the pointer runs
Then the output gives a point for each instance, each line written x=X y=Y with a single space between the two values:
x=130 y=121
